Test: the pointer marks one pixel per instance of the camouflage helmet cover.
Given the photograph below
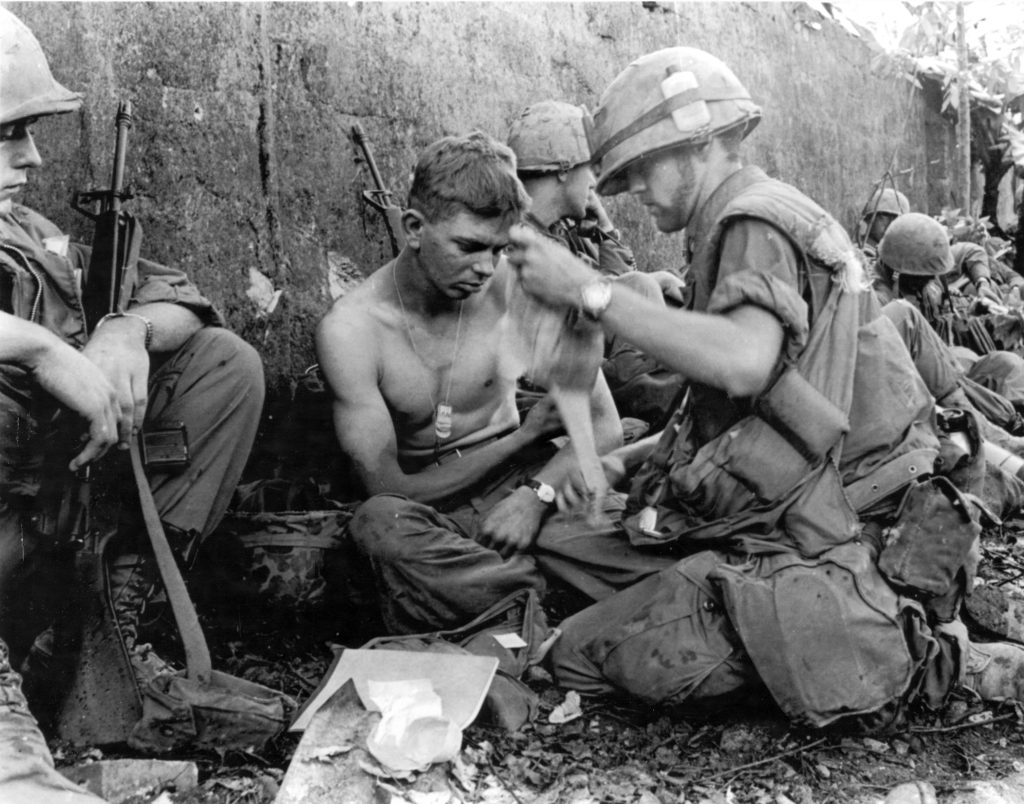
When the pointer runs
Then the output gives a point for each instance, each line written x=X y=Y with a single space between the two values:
x=674 y=96
x=550 y=136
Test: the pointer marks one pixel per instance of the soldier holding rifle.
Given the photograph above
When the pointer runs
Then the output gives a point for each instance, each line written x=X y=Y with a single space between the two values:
x=162 y=356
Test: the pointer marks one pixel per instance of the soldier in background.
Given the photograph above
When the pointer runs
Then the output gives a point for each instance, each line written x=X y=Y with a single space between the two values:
x=883 y=207
x=553 y=162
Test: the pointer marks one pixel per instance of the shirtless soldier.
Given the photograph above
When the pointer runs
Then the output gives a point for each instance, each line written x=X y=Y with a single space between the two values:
x=418 y=360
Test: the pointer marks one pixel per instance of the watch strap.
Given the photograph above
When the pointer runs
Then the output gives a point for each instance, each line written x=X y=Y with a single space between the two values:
x=544 y=492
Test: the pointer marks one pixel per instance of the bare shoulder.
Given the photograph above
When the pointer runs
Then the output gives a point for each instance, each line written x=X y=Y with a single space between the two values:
x=351 y=326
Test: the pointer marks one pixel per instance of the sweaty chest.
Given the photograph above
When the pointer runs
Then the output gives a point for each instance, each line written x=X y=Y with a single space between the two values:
x=470 y=373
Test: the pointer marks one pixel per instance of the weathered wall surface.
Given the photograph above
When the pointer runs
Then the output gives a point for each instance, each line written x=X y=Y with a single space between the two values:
x=240 y=154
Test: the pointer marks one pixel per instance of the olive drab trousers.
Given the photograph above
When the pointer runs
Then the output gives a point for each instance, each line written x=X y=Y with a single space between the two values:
x=213 y=385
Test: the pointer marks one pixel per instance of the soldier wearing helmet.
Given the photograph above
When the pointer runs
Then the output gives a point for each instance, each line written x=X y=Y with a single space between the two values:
x=916 y=266
x=914 y=259
x=166 y=358
x=775 y=450
x=549 y=140
x=885 y=205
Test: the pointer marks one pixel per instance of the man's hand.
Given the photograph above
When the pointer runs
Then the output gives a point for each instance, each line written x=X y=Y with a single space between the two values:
x=117 y=349
x=597 y=212
x=574 y=496
x=672 y=286
x=512 y=524
x=986 y=291
x=542 y=420
x=547 y=269
x=73 y=381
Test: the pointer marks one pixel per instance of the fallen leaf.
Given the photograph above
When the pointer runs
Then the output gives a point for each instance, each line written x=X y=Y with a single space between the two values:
x=567 y=710
x=327 y=753
x=384 y=773
x=465 y=773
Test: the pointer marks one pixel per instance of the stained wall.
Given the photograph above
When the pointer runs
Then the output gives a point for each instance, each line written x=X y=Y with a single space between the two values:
x=241 y=159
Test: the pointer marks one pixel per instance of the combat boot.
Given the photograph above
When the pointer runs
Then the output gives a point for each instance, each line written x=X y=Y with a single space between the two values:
x=132 y=586
x=27 y=775
x=997 y=611
x=995 y=671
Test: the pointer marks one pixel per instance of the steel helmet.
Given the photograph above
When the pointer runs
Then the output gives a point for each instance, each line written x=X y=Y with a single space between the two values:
x=916 y=245
x=549 y=137
x=886 y=201
x=671 y=97
x=27 y=88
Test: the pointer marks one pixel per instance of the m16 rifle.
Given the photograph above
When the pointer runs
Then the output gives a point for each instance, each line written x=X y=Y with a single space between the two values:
x=102 y=701
x=380 y=198
x=108 y=283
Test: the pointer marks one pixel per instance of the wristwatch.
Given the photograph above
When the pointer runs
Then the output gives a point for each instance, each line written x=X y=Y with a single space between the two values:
x=544 y=492
x=595 y=296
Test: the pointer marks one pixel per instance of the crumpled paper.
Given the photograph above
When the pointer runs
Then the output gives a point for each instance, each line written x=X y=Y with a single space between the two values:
x=412 y=733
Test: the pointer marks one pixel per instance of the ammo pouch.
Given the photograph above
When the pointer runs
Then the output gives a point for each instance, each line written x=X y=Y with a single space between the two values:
x=509 y=703
x=930 y=540
x=769 y=454
x=762 y=460
x=825 y=634
x=223 y=713
x=802 y=415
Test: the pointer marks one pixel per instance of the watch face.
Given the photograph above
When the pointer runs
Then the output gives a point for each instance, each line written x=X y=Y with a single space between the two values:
x=545 y=492
x=596 y=296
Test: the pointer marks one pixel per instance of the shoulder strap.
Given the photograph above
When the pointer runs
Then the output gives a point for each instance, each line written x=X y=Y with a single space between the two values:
x=197 y=652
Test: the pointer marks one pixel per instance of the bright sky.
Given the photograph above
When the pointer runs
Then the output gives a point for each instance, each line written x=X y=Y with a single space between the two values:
x=1000 y=22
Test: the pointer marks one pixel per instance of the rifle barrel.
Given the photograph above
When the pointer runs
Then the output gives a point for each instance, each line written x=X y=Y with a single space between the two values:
x=371 y=163
x=122 y=123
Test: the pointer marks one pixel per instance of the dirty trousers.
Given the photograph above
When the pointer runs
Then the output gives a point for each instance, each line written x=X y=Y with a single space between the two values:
x=213 y=384
x=668 y=640
x=27 y=775
x=432 y=574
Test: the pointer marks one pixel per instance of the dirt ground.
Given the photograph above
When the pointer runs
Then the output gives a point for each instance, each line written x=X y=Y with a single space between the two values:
x=617 y=752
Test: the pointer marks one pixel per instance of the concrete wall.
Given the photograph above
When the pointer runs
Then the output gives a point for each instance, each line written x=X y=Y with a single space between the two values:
x=240 y=154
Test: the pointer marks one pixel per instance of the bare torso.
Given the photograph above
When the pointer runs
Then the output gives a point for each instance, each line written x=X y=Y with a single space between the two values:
x=422 y=361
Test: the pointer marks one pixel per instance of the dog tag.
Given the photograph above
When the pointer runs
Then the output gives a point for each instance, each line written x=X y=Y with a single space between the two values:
x=443 y=421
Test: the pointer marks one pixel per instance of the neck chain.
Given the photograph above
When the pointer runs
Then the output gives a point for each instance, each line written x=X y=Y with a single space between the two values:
x=442 y=410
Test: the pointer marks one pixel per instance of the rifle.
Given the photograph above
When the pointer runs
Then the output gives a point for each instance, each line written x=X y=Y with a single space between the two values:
x=380 y=198
x=102 y=701
x=110 y=279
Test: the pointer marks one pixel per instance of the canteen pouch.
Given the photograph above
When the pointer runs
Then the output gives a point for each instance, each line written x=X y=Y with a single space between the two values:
x=825 y=634
x=802 y=415
x=519 y=613
x=222 y=714
x=930 y=541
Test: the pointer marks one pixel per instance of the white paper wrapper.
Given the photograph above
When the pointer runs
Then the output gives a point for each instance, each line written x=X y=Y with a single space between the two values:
x=412 y=733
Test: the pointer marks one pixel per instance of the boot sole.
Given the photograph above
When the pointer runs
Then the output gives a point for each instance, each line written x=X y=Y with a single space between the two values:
x=996 y=611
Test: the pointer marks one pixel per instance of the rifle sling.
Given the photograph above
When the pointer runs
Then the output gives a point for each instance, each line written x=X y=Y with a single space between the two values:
x=197 y=652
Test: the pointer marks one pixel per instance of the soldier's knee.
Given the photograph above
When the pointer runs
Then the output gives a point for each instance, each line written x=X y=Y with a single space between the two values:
x=374 y=525
x=229 y=353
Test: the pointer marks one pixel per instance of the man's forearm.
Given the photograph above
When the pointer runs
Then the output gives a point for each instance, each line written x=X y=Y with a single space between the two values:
x=436 y=482
x=734 y=352
x=23 y=342
x=172 y=324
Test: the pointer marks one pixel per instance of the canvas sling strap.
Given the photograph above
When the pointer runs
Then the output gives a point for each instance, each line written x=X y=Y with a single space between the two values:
x=205 y=708
x=197 y=652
